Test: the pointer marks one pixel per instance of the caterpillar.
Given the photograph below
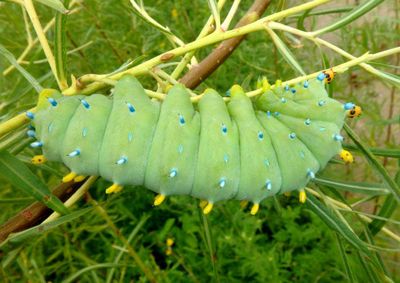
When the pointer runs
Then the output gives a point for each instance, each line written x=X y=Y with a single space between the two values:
x=244 y=149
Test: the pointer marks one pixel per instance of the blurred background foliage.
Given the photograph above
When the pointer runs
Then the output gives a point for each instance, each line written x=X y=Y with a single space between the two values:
x=285 y=242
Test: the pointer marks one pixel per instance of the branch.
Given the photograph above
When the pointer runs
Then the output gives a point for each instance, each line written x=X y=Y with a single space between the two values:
x=206 y=67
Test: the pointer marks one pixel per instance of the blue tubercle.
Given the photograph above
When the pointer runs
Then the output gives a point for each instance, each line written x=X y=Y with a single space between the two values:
x=260 y=135
x=74 y=153
x=130 y=107
x=283 y=100
x=306 y=84
x=348 y=106
x=292 y=136
x=173 y=172
x=287 y=87
x=84 y=132
x=226 y=158
x=276 y=114
x=293 y=90
x=268 y=185
x=122 y=160
x=268 y=113
x=321 y=103
x=224 y=129
x=321 y=77
x=338 y=137
x=222 y=183
x=36 y=144
x=52 y=101
x=310 y=174
x=307 y=122
x=85 y=103
x=31 y=133
x=181 y=120
x=180 y=148
x=30 y=115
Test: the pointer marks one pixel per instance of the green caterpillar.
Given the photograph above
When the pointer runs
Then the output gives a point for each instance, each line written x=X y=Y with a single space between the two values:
x=242 y=149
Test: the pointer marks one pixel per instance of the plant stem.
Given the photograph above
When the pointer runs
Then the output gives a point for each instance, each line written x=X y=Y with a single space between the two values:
x=208 y=40
x=42 y=37
x=14 y=123
x=78 y=194
x=316 y=40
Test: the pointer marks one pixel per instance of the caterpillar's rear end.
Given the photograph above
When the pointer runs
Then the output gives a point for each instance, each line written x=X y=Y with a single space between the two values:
x=243 y=149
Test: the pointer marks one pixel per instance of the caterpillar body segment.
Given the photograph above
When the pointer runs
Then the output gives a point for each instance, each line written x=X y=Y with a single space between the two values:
x=294 y=159
x=260 y=175
x=218 y=163
x=84 y=136
x=213 y=151
x=173 y=155
x=51 y=123
x=128 y=135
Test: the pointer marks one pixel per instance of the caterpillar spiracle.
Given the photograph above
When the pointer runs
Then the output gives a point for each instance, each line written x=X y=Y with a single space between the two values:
x=214 y=150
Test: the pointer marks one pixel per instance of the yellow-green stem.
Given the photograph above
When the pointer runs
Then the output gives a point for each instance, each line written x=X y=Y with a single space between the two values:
x=210 y=39
x=42 y=37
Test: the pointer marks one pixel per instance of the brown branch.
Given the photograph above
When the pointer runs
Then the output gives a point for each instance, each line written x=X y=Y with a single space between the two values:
x=37 y=212
x=217 y=57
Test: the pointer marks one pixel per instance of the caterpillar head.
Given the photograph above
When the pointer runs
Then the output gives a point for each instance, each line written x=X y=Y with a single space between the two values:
x=356 y=111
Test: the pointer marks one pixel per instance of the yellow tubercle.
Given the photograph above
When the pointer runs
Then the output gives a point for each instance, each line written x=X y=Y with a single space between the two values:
x=287 y=194
x=69 y=177
x=243 y=204
x=159 y=199
x=168 y=87
x=236 y=89
x=203 y=204
x=114 y=188
x=38 y=159
x=207 y=209
x=302 y=196
x=254 y=209
x=170 y=242
x=346 y=156
x=278 y=83
x=79 y=178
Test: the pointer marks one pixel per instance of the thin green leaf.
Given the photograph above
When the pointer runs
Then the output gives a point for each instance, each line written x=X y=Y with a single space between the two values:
x=54 y=4
x=60 y=48
x=386 y=211
x=350 y=275
x=19 y=175
x=368 y=189
x=376 y=151
x=10 y=57
x=378 y=167
x=336 y=224
x=285 y=52
x=351 y=17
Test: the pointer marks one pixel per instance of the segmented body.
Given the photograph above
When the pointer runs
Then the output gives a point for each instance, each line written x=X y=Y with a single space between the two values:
x=242 y=149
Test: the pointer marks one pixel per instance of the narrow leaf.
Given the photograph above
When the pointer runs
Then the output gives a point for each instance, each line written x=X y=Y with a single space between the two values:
x=375 y=164
x=55 y=4
x=285 y=52
x=10 y=57
x=19 y=175
x=336 y=224
x=351 y=17
x=368 y=189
